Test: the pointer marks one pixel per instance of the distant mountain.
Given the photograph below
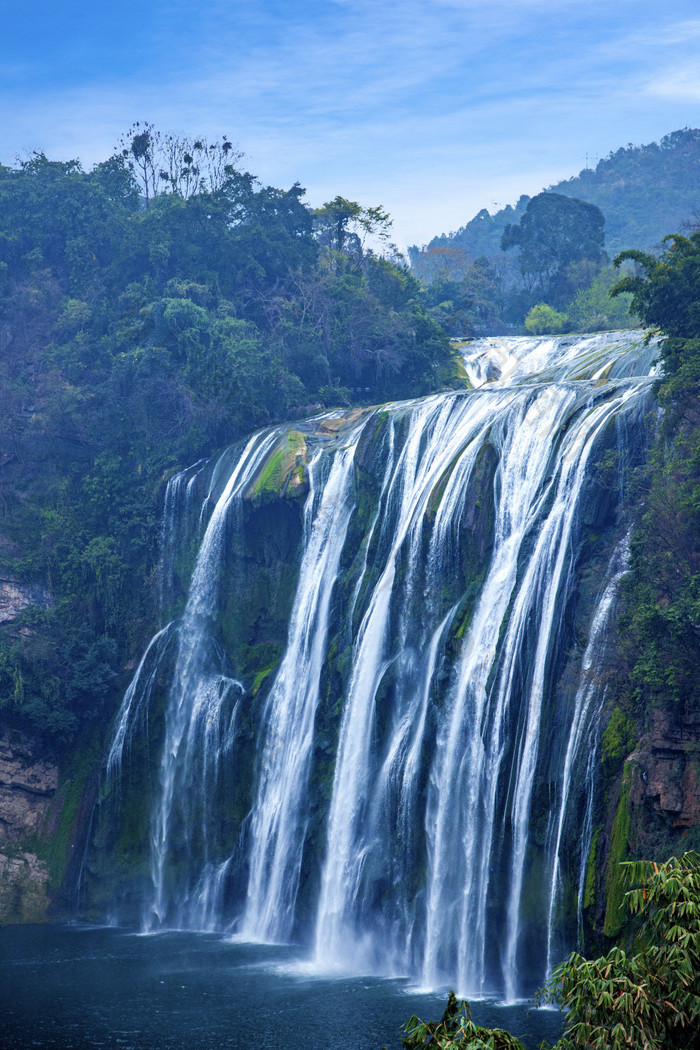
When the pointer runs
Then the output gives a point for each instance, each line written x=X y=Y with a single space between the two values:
x=644 y=192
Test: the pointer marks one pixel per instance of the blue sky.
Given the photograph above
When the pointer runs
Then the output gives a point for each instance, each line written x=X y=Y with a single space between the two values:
x=432 y=108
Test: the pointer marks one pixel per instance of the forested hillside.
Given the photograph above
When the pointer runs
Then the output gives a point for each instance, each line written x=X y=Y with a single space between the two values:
x=642 y=193
x=153 y=310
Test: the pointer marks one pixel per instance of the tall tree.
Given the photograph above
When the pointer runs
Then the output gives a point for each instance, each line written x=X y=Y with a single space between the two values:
x=167 y=163
x=554 y=233
x=343 y=227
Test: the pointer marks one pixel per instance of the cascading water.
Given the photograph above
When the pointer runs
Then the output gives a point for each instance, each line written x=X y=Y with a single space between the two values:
x=279 y=815
x=362 y=732
x=588 y=705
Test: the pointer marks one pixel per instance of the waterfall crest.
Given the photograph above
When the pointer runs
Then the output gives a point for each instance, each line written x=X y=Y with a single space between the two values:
x=361 y=730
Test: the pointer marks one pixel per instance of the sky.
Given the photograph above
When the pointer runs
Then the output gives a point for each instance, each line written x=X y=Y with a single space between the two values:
x=433 y=109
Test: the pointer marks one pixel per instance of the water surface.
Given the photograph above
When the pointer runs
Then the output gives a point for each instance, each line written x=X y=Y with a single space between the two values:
x=78 y=987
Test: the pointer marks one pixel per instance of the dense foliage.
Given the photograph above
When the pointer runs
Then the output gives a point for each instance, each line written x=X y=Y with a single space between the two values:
x=456 y=1031
x=555 y=233
x=646 y=999
x=544 y=319
x=155 y=309
x=660 y=636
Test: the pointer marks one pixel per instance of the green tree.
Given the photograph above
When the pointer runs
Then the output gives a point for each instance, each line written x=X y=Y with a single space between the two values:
x=542 y=319
x=343 y=227
x=456 y=1031
x=648 y=999
x=555 y=232
x=666 y=294
x=593 y=310
x=464 y=295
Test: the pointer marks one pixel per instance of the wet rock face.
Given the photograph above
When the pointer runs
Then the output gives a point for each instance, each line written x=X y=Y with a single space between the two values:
x=27 y=785
x=23 y=888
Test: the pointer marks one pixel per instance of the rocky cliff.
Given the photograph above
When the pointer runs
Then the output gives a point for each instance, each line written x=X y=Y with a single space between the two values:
x=14 y=597
x=28 y=784
x=665 y=781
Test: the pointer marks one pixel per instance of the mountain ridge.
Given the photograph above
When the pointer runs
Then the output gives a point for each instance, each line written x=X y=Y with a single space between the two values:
x=643 y=191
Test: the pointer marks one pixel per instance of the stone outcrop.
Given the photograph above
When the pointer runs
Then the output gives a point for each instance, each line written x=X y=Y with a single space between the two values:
x=665 y=778
x=653 y=813
x=27 y=784
x=14 y=597
x=23 y=888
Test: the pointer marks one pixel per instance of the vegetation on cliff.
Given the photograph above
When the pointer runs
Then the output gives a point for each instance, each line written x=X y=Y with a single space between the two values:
x=659 y=635
x=154 y=309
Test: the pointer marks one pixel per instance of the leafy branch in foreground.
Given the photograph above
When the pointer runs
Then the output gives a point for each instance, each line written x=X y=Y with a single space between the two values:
x=646 y=1000
x=456 y=1030
x=649 y=1000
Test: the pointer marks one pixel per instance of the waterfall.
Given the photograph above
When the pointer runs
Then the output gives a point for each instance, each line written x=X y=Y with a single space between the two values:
x=362 y=732
x=279 y=815
x=588 y=704
x=194 y=731
x=176 y=505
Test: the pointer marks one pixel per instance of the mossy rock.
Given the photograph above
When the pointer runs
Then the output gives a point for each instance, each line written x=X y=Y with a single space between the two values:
x=590 y=888
x=615 y=884
x=284 y=471
x=457 y=373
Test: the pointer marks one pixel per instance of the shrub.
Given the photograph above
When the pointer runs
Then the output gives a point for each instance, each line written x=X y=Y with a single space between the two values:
x=543 y=319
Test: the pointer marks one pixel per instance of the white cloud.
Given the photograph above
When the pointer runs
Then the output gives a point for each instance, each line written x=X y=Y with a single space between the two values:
x=434 y=108
x=682 y=84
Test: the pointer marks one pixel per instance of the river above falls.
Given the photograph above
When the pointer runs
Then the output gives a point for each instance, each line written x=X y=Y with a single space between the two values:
x=77 y=987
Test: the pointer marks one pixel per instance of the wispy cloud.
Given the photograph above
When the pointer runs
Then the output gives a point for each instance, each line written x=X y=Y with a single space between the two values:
x=436 y=108
x=682 y=84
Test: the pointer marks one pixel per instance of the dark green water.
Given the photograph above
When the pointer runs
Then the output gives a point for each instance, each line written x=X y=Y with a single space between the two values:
x=76 y=987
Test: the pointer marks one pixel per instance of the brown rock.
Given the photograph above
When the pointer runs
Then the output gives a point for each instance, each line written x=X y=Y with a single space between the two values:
x=667 y=768
x=27 y=784
x=23 y=887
